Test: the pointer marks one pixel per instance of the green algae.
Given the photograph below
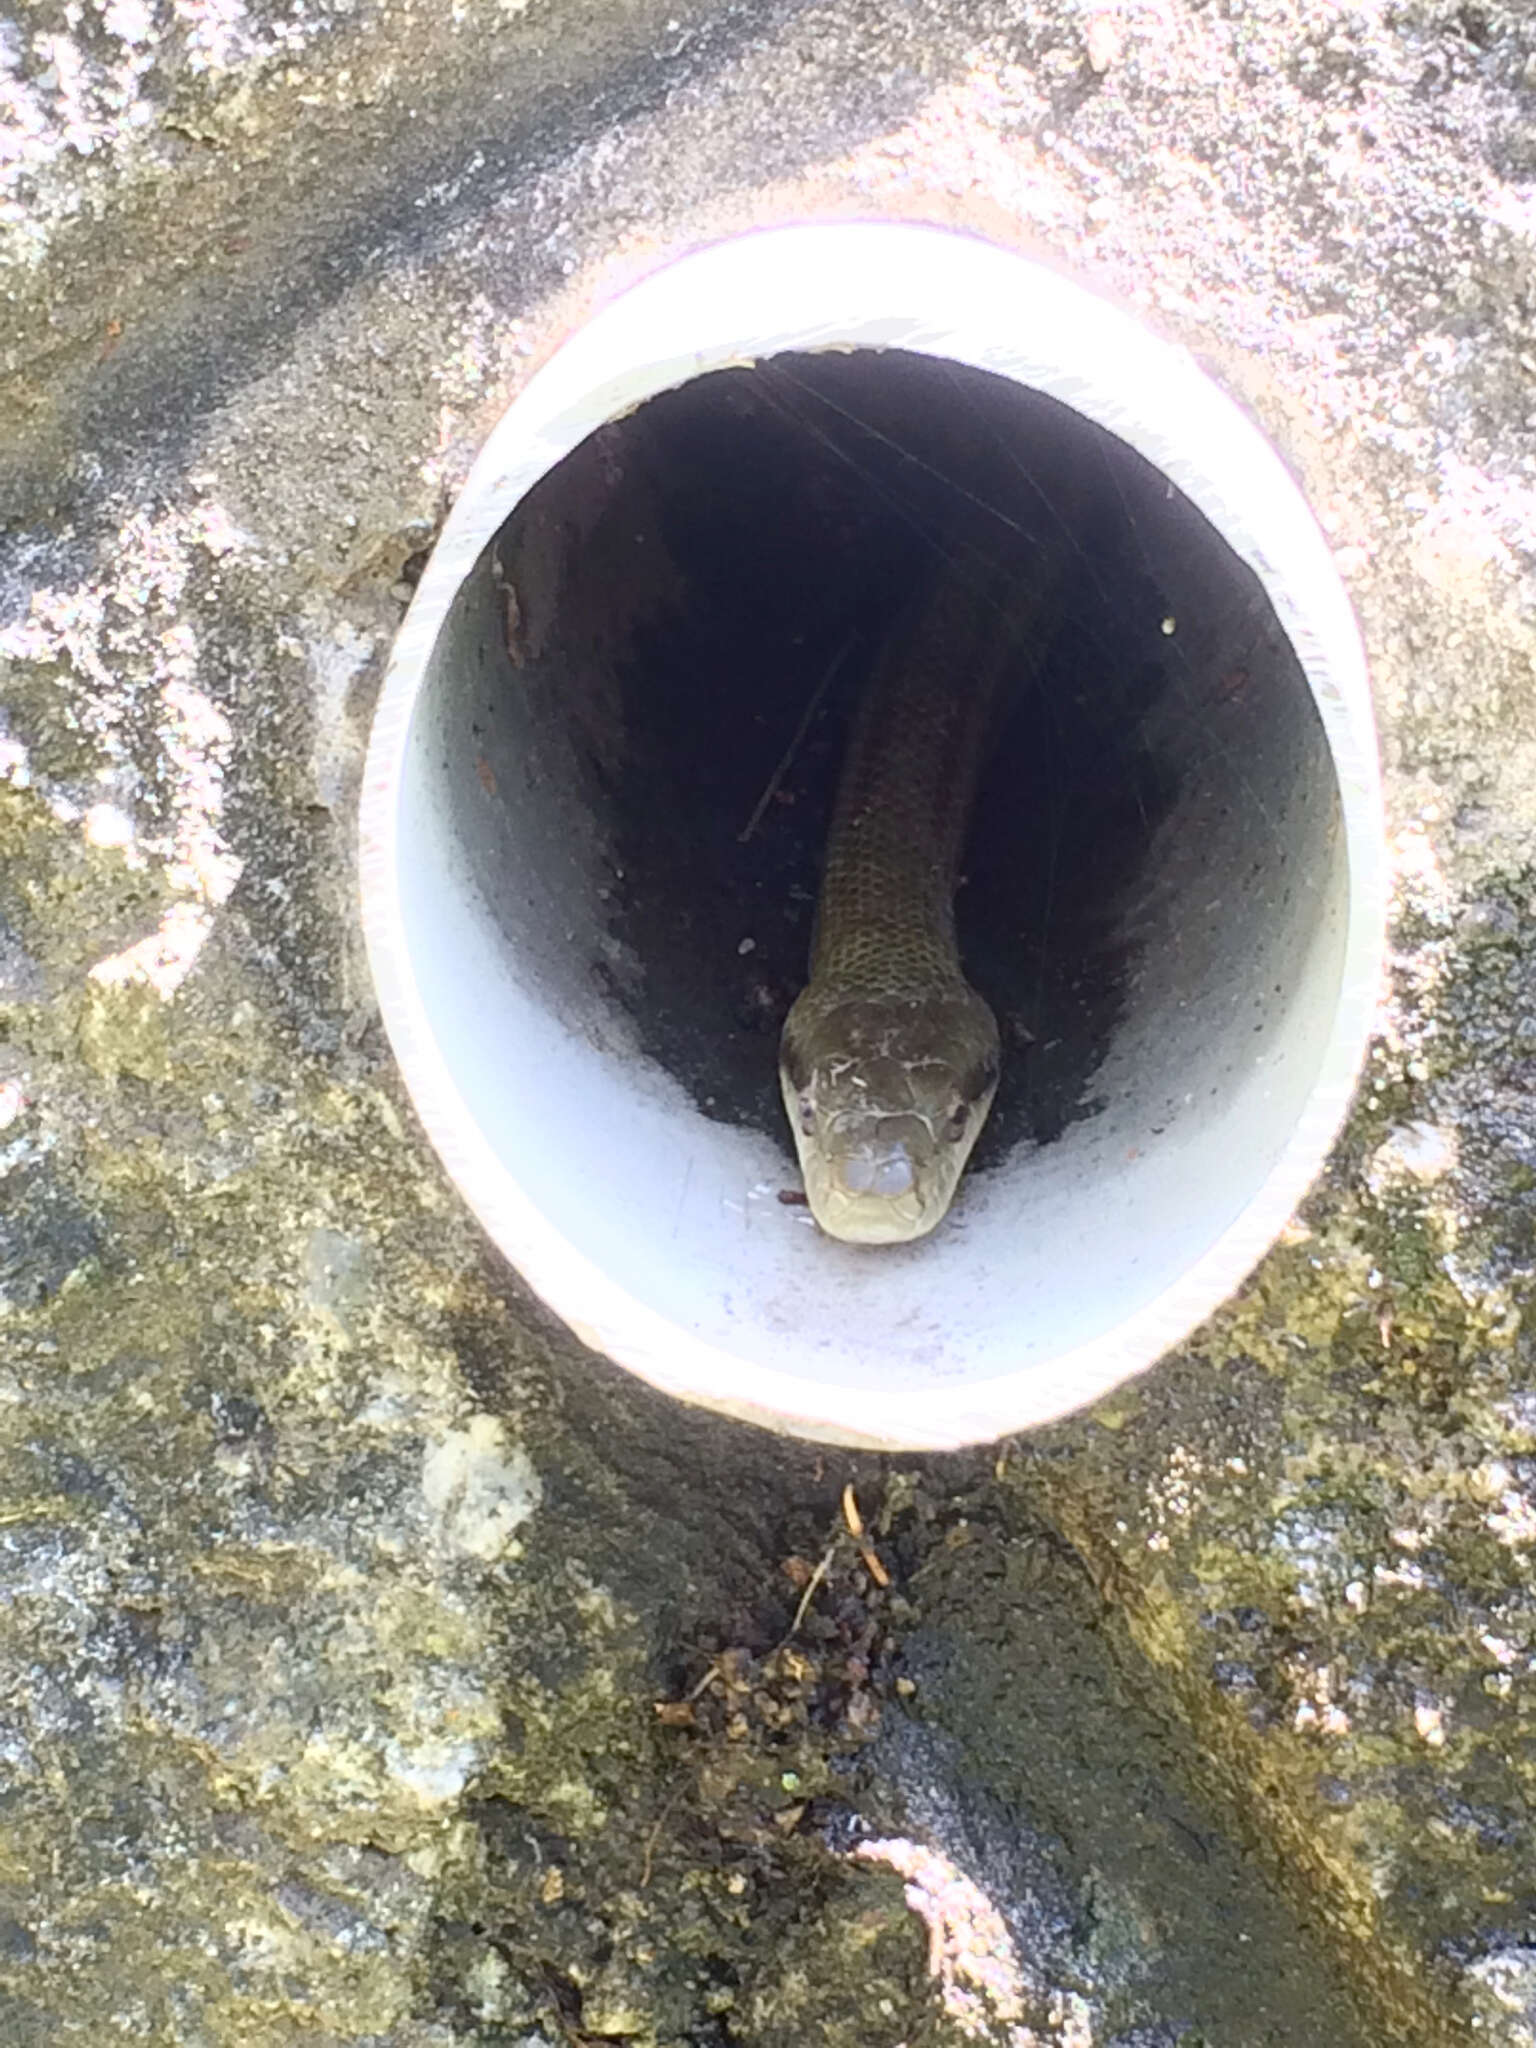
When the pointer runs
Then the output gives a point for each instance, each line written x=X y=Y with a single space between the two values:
x=1305 y=1518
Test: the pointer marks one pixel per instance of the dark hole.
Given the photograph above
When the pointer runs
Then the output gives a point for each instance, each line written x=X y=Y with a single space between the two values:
x=716 y=574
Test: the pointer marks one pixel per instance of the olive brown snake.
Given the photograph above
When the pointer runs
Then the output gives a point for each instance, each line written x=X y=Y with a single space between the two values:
x=889 y=1059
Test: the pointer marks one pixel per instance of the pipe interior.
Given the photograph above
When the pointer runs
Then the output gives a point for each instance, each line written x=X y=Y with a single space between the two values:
x=614 y=833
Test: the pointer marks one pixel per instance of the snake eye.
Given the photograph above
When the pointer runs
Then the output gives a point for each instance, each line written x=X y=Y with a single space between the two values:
x=807 y=1116
x=959 y=1123
x=979 y=1082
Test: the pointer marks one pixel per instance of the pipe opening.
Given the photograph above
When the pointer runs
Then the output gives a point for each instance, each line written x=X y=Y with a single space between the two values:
x=697 y=595
x=607 y=769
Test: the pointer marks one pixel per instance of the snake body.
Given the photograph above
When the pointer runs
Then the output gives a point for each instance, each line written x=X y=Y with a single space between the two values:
x=889 y=1059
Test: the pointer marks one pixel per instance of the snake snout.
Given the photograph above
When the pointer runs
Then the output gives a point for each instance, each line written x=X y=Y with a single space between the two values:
x=876 y=1179
x=875 y=1167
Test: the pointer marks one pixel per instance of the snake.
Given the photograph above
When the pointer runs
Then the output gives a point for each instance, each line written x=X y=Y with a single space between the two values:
x=889 y=1058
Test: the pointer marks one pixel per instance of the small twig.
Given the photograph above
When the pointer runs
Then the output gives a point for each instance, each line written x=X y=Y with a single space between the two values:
x=650 y=1850
x=712 y=1672
x=867 y=1550
x=655 y=1836
x=787 y=757
x=805 y=1598
x=873 y=1565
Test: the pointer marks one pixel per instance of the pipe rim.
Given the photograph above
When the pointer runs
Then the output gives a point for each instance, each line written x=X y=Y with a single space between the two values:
x=935 y=292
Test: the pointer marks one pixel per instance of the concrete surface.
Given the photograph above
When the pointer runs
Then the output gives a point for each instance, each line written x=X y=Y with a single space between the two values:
x=341 y=1591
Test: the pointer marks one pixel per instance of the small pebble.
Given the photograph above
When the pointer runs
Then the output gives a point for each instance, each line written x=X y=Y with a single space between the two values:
x=1104 y=43
x=747 y=946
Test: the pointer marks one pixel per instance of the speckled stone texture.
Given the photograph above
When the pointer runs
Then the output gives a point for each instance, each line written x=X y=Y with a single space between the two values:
x=375 y=1668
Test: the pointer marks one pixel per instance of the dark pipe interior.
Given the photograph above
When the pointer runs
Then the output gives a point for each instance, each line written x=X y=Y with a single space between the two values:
x=698 y=571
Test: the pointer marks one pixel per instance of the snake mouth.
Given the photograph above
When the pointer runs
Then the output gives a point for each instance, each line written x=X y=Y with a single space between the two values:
x=871 y=1222
x=862 y=1216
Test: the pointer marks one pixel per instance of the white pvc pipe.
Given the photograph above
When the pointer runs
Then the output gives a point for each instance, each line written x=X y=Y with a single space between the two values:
x=654 y=1232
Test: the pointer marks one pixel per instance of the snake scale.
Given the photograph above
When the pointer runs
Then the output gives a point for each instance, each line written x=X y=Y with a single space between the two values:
x=889 y=1058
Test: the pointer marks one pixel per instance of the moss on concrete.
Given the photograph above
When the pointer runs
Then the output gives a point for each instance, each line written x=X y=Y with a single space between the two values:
x=1315 y=1517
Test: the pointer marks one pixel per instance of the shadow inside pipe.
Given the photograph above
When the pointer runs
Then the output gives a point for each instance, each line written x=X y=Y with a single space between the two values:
x=716 y=574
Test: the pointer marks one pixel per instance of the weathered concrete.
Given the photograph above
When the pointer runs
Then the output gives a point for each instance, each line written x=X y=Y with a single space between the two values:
x=340 y=1592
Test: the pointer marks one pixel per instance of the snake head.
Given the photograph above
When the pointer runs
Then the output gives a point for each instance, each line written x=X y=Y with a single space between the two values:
x=886 y=1096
